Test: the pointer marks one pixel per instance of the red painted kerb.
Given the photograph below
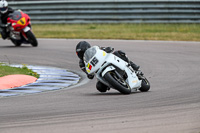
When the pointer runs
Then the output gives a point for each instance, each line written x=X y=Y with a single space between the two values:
x=12 y=81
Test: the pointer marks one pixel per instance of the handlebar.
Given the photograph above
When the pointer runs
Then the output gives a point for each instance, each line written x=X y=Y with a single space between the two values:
x=4 y=25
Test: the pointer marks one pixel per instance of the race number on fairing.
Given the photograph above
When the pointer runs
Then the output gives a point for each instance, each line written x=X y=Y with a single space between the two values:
x=94 y=61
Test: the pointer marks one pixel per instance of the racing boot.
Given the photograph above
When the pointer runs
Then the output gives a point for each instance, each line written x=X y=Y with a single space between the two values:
x=136 y=68
x=4 y=34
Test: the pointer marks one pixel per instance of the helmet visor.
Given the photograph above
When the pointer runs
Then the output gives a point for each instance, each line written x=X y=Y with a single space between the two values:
x=3 y=9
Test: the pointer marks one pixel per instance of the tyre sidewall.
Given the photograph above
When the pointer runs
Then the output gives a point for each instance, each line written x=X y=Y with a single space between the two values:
x=31 y=38
x=145 y=86
x=122 y=89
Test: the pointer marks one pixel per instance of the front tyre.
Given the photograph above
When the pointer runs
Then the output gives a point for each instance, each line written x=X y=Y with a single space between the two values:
x=31 y=38
x=117 y=83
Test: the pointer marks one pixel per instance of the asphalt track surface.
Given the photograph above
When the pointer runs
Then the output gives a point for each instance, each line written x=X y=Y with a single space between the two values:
x=171 y=106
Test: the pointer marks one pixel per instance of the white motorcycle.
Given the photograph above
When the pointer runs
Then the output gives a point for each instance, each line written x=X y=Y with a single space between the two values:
x=114 y=72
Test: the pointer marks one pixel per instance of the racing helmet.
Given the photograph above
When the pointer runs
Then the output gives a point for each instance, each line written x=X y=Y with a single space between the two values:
x=81 y=47
x=3 y=6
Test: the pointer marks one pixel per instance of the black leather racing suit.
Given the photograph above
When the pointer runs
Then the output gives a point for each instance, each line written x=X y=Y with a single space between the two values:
x=3 y=22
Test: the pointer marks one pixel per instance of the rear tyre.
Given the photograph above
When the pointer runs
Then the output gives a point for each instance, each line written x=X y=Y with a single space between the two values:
x=117 y=83
x=31 y=38
x=145 y=86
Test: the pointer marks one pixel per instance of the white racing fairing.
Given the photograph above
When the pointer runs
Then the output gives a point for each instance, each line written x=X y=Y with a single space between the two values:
x=99 y=62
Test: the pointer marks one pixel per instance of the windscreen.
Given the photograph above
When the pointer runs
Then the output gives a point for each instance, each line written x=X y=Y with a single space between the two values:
x=16 y=15
x=89 y=53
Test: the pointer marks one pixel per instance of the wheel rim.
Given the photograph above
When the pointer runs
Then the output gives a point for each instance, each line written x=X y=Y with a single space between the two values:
x=122 y=82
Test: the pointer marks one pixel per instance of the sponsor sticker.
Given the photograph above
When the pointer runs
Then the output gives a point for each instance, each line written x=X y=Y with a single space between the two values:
x=22 y=21
x=89 y=66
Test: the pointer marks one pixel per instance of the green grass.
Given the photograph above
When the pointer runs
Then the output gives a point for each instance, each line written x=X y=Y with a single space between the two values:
x=173 y=32
x=8 y=70
x=170 y=32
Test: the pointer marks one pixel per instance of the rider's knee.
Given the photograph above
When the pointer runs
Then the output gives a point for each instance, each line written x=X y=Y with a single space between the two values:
x=101 y=87
x=4 y=35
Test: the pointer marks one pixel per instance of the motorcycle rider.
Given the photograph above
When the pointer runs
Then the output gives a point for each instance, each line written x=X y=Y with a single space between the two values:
x=4 y=11
x=82 y=46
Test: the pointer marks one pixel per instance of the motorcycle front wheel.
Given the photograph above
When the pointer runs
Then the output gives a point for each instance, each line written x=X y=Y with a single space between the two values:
x=31 y=38
x=117 y=83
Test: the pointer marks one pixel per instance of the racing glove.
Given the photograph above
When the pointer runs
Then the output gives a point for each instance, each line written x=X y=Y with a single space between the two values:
x=90 y=76
x=108 y=49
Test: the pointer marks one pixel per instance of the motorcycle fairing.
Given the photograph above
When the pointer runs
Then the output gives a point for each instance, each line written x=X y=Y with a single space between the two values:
x=132 y=79
x=22 y=21
x=16 y=15
x=94 y=62
x=19 y=20
x=98 y=60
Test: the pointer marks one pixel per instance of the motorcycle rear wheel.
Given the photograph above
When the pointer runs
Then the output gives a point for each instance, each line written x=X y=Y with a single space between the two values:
x=117 y=83
x=31 y=38
x=145 y=86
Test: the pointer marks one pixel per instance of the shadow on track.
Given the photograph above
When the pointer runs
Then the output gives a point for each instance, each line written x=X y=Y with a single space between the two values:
x=110 y=94
x=16 y=47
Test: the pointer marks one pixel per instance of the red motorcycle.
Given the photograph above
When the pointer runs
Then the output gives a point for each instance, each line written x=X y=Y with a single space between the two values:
x=19 y=28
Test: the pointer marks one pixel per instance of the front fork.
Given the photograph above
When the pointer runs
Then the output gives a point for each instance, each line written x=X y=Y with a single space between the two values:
x=26 y=29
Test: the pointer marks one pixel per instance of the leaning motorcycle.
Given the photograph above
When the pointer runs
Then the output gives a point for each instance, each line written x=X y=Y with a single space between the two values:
x=19 y=28
x=114 y=72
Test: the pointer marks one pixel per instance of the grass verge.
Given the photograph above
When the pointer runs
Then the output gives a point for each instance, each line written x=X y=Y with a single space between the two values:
x=8 y=70
x=172 y=32
x=169 y=32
